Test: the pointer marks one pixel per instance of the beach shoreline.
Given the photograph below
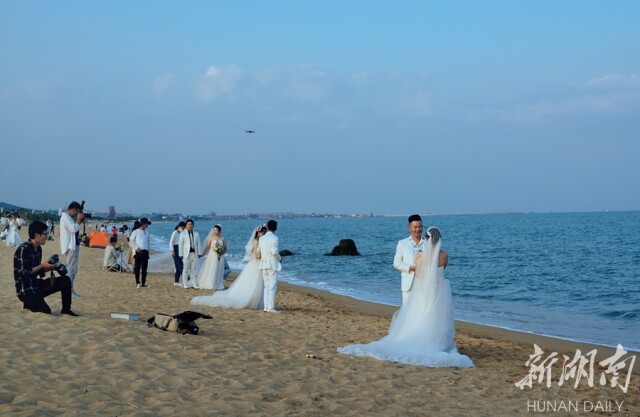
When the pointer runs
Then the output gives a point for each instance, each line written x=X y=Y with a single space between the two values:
x=246 y=362
x=549 y=343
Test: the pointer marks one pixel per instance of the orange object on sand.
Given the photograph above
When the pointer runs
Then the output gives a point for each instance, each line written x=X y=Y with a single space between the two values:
x=98 y=240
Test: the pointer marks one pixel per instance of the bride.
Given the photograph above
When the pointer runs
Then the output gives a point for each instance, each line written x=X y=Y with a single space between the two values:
x=211 y=274
x=247 y=289
x=422 y=331
x=12 y=237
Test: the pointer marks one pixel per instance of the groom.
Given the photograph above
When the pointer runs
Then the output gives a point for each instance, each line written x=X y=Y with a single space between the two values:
x=270 y=265
x=189 y=251
x=406 y=253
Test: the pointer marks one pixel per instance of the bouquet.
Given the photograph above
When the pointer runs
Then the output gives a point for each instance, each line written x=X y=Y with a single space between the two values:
x=218 y=248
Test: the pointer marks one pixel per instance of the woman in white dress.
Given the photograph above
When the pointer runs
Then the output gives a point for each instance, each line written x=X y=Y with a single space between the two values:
x=422 y=331
x=211 y=275
x=12 y=238
x=247 y=289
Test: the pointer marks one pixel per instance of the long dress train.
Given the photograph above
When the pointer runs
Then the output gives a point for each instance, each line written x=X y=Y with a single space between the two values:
x=245 y=292
x=422 y=331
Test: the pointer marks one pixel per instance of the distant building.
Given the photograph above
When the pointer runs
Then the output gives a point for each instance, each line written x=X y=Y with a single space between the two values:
x=112 y=212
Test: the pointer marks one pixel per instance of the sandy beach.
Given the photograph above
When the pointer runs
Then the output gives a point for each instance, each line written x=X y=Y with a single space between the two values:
x=251 y=363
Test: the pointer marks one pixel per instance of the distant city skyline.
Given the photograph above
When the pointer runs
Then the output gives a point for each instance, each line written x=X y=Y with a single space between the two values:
x=327 y=107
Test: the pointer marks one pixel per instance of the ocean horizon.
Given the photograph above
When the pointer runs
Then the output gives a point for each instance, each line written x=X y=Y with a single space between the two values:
x=566 y=275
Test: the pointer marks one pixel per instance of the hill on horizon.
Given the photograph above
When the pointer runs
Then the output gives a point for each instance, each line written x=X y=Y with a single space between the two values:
x=12 y=207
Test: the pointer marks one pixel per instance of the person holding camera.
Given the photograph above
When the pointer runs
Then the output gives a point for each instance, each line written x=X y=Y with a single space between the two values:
x=28 y=271
x=110 y=260
x=69 y=238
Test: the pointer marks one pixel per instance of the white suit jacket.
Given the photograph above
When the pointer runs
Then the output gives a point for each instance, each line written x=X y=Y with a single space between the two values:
x=68 y=229
x=184 y=243
x=269 y=256
x=404 y=259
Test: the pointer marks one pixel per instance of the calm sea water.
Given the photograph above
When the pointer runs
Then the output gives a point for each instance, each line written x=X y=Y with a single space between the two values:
x=569 y=275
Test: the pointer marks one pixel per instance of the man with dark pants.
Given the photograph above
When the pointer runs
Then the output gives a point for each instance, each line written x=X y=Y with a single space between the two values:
x=139 y=241
x=28 y=271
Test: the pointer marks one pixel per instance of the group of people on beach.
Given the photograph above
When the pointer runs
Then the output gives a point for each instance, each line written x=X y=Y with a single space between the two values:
x=29 y=270
x=254 y=288
x=421 y=332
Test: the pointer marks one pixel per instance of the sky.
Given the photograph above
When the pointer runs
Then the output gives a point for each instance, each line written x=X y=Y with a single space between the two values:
x=357 y=106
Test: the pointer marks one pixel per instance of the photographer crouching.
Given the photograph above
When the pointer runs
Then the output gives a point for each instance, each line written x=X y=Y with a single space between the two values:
x=111 y=254
x=29 y=271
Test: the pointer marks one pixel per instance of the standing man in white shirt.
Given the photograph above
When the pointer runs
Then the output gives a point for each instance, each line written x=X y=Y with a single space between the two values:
x=139 y=242
x=406 y=253
x=69 y=233
x=189 y=250
x=270 y=265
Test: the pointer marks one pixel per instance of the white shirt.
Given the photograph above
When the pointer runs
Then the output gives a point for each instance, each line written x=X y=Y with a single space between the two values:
x=270 y=256
x=68 y=230
x=175 y=239
x=139 y=239
x=406 y=253
x=110 y=255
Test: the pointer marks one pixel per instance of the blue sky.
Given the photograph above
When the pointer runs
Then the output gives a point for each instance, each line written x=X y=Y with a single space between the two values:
x=358 y=106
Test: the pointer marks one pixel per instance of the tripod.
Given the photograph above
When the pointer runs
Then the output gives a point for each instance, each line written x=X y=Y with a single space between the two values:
x=124 y=267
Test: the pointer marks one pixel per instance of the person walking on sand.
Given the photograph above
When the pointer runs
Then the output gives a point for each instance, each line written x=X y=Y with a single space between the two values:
x=270 y=265
x=139 y=243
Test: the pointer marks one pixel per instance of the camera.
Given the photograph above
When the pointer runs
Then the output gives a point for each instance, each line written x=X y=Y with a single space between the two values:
x=57 y=265
x=86 y=215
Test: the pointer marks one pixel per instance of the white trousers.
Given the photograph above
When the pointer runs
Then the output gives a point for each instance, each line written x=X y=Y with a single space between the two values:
x=72 y=263
x=190 y=263
x=405 y=296
x=270 y=278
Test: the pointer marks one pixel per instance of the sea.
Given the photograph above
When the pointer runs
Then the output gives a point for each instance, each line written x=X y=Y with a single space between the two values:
x=574 y=276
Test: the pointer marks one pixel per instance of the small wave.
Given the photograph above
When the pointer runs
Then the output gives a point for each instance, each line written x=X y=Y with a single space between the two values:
x=517 y=298
x=627 y=315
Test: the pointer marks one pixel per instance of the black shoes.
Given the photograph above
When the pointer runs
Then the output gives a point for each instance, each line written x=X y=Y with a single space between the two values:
x=69 y=313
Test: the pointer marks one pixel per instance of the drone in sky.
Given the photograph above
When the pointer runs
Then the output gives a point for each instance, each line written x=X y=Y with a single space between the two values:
x=249 y=131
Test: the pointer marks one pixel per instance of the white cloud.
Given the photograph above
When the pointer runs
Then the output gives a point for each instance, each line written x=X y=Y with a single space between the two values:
x=218 y=81
x=30 y=91
x=544 y=110
x=605 y=94
x=163 y=82
x=309 y=84
x=615 y=80
x=420 y=104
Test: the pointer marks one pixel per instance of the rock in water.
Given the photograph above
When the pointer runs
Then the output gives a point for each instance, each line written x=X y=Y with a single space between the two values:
x=346 y=247
x=285 y=252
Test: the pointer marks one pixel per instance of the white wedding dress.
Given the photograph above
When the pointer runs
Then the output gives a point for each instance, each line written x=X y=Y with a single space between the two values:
x=247 y=289
x=13 y=238
x=422 y=331
x=211 y=274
